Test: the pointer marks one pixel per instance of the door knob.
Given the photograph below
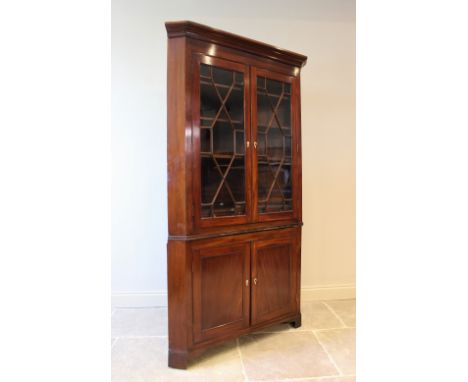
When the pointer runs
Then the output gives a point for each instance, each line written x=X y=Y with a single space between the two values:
x=255 y=281
x=246 y=282
x=255 y=144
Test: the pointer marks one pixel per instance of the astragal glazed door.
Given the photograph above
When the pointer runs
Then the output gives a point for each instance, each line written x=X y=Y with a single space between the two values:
x=274 y=128
x=221 y=121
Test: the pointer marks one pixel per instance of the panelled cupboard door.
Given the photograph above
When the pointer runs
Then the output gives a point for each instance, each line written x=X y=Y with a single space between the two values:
x=220 y=290
x=221 y=131
x=274 y=278
x=275 y=132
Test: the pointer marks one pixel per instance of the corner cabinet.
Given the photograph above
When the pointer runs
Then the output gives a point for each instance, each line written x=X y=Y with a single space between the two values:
x=234 y=187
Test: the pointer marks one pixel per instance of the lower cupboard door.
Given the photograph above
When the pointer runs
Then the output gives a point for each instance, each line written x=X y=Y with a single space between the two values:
x=220 y=290
x=274 y=279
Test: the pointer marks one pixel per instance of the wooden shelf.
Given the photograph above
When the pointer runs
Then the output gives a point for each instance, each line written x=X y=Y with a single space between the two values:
x=235 y=87
x=285 y=95
x=221 y=156
x=219 y=120
x=274 y=127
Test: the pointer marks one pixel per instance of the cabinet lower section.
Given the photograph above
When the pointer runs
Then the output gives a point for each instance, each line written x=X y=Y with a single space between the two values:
x=221 y=288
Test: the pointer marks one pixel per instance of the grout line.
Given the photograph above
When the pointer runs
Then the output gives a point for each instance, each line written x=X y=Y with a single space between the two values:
x=325 y=329
x=329 y=355
x=334 y=313
x=242 y=362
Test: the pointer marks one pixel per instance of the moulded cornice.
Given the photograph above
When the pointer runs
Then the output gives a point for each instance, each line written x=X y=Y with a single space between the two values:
x=202 y=32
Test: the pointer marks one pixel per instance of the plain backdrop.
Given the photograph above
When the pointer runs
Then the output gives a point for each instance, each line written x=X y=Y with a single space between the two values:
x=412 y=205
x=324 y=30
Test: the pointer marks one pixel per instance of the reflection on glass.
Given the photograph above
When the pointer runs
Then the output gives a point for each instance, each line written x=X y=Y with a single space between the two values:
x=274 y=151
x=222 y=142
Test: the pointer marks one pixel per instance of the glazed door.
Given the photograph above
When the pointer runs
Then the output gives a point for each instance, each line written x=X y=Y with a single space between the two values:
x=221 y=128
x=275 y=130
x=274 y=278
x=220 y=290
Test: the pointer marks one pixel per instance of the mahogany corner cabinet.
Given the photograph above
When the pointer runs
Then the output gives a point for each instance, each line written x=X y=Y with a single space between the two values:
x=234 y=187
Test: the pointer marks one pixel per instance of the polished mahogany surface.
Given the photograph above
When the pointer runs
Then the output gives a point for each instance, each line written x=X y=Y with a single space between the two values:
x=234 y=187
x=273 y=269
x=223 y=268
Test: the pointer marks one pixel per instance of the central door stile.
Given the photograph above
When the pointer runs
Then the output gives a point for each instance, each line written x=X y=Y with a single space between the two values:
x=253 y=272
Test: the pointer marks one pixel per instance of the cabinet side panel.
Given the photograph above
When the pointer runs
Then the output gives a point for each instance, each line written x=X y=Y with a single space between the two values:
x=179 y=301
x=298 y=269
x=178 y=138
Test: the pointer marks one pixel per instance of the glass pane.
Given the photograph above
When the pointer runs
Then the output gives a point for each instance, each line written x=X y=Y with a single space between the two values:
x=222 y=142
x=274 y=146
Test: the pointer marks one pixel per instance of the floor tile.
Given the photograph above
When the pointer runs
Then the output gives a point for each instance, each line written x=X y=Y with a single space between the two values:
x=341 y=345
x=315 y=315
x=139 y=322
x=345 y=309
x=145 y=360
x=284 y=355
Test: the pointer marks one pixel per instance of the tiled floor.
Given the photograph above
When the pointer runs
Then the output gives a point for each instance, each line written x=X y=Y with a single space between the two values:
x=321 y=350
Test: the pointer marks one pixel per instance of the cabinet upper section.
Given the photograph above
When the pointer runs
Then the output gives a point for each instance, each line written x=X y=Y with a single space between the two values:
x=233 y=115
x=211 y=35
